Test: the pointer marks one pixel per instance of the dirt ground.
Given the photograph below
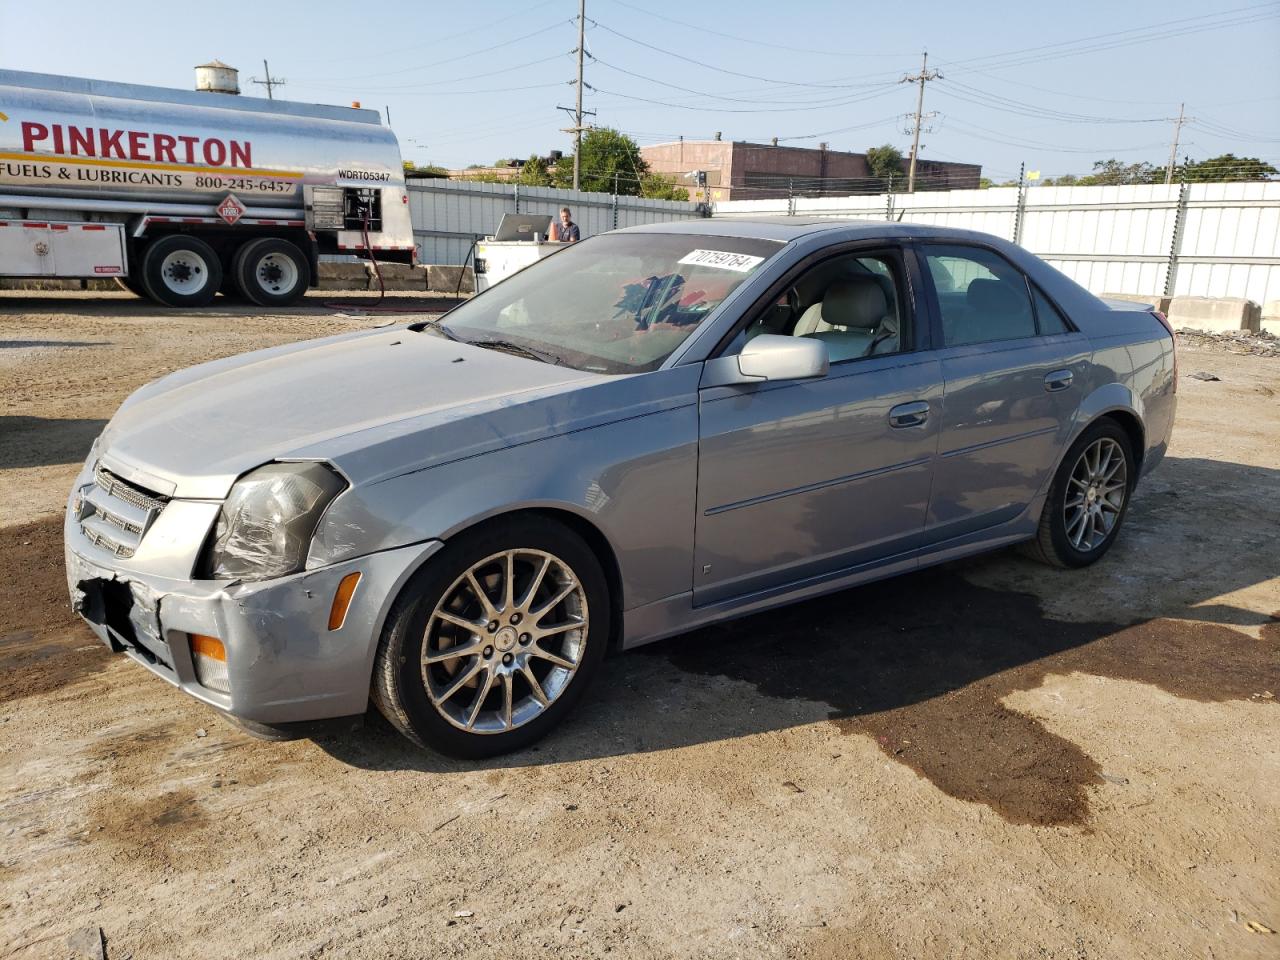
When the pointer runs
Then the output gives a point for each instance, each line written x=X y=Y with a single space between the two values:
x=987 y=760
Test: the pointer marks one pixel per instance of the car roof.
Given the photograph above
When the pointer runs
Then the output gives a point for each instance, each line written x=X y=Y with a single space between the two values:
x=785 y=229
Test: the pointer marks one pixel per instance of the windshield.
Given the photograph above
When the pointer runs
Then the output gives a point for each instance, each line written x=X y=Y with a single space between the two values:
x=616 y=303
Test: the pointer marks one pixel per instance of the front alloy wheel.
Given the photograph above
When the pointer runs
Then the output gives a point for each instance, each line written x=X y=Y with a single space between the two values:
x=493 y=641
x=505 y=641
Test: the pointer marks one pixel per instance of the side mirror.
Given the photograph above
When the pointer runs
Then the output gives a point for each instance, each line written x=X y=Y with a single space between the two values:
x=769 y=357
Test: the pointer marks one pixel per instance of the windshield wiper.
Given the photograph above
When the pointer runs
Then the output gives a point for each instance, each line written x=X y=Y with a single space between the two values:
x=519 y=349
x=435 y=323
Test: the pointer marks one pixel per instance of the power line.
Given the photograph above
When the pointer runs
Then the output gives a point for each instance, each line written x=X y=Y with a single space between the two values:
x=437 y=83
x=461 y=56
x=381 y=54
x=718 y=96
x=1009 y=105
x=1115 y=38
x=1224 y=131
x=701 y=28
x=732 y=73
x=1000 y=137
x=685 y=106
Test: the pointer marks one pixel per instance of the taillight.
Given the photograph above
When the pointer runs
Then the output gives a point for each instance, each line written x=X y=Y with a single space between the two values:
x=1164 y=322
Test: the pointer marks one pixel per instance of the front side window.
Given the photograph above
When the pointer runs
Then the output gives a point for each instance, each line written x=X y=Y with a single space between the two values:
x=616 y=303
x=849 y=302
x=981 y=296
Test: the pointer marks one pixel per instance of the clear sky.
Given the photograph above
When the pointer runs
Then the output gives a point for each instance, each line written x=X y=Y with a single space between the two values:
x=1055 y=85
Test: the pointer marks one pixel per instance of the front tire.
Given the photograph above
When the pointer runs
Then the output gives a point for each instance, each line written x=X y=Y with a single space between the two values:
x=492 y=643
x=271 y=272
x=1088 y=499
x=181 y=271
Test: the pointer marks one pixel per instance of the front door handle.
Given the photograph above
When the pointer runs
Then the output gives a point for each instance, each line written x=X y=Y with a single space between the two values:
x=1058 y=380
x=909 y=414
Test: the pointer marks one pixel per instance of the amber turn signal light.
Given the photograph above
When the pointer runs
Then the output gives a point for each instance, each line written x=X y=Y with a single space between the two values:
x=210 y=647
x=209 y=657
x=342 y=600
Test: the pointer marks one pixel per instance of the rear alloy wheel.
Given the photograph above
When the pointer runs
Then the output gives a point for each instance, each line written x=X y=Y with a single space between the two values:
x=181 y=271
x=492 y=643
x=1088 y=499
x=271 y=272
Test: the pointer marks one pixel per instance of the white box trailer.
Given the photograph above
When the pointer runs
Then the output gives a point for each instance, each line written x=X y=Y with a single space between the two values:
x=181 y=194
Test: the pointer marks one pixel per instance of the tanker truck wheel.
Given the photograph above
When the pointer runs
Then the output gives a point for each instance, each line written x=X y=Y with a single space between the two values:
x=271 y=272
x=181 y=271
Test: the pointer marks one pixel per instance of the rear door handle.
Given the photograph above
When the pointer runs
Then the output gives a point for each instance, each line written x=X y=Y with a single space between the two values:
x=1058 y=380
x=909 y=414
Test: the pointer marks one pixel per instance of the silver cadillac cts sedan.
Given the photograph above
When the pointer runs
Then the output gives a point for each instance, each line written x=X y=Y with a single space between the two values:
x=651 y=430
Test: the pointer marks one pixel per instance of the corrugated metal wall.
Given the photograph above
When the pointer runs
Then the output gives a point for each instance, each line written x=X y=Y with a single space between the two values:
x=448 y=215
x=1109 y=239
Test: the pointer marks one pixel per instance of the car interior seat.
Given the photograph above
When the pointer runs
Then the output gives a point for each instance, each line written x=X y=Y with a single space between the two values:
x=853 y=318
x=998 y=310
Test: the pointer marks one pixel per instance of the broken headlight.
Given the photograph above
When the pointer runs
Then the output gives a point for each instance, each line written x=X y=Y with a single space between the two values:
x=264 y=528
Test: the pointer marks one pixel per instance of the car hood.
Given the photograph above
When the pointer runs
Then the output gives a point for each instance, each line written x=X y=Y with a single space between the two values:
x=192 y=433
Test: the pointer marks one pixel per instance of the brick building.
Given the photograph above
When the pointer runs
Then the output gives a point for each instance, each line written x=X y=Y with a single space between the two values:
x=759 y=171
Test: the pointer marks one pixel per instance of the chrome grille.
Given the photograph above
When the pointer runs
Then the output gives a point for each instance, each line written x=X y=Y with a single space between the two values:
x=106 y=543
x=123 y=490
x=114 y=514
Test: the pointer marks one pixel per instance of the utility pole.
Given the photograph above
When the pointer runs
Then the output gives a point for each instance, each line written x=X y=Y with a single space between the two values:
x=577 y=132
x=1173 y=150
x=923 y=77
x=577 y=112
x=270 y=83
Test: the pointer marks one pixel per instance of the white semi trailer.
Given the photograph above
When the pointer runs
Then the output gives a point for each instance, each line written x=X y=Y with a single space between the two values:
x=182 y=194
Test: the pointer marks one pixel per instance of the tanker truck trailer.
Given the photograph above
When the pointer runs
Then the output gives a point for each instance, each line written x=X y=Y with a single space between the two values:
x=182 y=194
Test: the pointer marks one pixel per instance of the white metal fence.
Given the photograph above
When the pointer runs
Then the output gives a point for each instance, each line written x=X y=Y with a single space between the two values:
x=1200 y=239
x=449 y=215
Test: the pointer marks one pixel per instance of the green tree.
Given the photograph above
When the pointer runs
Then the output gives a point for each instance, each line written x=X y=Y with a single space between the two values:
x=534 y=173
x=605 y=152
x=656 y=186
x=885 y=162
x=412 y=169
x=481 y=175
x=1226 y=167
x=1114 y=172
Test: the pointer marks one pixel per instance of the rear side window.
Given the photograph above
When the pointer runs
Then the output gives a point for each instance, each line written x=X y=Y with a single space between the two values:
x=1050 y=317
x=981 y=296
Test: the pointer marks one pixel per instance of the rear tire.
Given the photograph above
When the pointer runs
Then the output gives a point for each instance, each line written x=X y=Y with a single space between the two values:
x=271 y=272
x=1088 y=499
x=181 y=271
x=500 y=670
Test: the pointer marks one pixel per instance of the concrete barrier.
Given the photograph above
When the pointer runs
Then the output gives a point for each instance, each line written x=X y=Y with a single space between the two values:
x=1215 y=315
x=444 y=279
x=360 y=276
x=1271 y=317
x=1157 y=301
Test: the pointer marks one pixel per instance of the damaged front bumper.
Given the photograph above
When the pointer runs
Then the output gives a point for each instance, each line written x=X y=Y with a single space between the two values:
x=284 y=665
